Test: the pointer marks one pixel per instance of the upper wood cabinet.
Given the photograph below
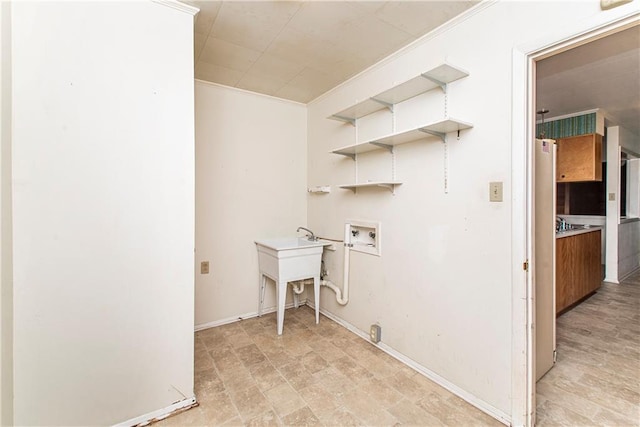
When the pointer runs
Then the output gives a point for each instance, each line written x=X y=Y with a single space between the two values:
x=579 y=158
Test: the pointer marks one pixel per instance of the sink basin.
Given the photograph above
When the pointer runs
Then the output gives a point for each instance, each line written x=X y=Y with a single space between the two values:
x=289 y=259
x=289 y=243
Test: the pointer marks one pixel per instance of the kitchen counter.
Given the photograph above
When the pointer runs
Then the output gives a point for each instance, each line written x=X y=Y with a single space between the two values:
x=561 y=234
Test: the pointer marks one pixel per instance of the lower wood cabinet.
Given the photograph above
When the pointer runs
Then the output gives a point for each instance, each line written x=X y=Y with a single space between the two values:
x=578 y=268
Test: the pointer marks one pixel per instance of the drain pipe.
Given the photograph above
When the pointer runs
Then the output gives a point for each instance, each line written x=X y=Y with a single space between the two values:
x=342 y=295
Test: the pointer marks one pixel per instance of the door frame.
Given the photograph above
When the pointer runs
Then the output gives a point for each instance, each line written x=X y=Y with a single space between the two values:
x=524 y=57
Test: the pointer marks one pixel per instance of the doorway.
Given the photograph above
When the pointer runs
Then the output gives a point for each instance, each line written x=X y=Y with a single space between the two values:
x=532 y=59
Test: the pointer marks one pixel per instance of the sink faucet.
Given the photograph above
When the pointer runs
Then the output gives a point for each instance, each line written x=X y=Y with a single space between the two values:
x=561 y=224
x=312 y=237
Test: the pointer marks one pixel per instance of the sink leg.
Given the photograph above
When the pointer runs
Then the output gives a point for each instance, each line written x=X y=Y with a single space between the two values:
x=282 y=296
x=316 y=295
x=263 y=284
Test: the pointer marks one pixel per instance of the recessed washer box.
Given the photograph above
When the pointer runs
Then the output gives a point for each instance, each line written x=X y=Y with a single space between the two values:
x=364 y=236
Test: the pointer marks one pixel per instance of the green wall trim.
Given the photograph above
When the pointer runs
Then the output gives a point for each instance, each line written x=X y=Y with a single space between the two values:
x=571 y=126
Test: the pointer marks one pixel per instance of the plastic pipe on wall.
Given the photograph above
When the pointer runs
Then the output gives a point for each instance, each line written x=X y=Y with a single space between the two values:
x=342 y=295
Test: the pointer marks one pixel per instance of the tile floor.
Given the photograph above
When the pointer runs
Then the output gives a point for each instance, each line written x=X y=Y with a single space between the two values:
x=325 y=375
x=596 y=381
x=311 y=375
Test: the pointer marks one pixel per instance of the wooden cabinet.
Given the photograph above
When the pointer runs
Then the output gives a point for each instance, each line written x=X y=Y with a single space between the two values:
x=579 y=158
x=578 y=268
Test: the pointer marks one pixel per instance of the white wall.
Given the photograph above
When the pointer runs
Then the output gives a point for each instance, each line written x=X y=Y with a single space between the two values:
x=103 y=199
x=250 y=184
x=6 y=273
x=442 y=289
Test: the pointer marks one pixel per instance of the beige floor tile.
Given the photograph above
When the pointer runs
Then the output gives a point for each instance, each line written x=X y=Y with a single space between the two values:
x=550 y=414
x=268 y=419
x=408 y=413
x=334 y=382
x=378 y=366
x=266 y=376
x=250 y=403
x=284 y=399
x=208 y=382
x=595 y=380
x=359 y=404
x=217 y=409
x=296 y=374
x=406 y=386
x=301 y=417
x=191 y=417
x=381 y=392
x=465 y=414
x=250 y=355
x=341 y=417
x=202 y=361
x=327 y=349
x=319 y=400
x=352 y=370
x=313 y=362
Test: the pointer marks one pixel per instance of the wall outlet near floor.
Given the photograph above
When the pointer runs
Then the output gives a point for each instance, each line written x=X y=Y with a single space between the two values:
x=375 y=333
x=204 y=267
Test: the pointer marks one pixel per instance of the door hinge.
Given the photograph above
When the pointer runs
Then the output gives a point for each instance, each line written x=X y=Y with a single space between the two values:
x=555 y=356
x=525 y=265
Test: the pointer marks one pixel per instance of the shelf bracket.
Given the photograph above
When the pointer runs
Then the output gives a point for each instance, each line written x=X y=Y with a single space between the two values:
x=441 y=135
x=390 y=187
x=381 y=145
x=442 y=85
x=386 y=104
x=349 y=120
x=352 y=156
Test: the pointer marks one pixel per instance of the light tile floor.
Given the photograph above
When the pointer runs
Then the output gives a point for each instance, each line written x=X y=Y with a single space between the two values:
x=311 y=375
x=325 y=375
x=596 y=381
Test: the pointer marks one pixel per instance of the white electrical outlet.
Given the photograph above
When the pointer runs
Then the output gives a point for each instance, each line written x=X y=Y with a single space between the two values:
x=375 y=333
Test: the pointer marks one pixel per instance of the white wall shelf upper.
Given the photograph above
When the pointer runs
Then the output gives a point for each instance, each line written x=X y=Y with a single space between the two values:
x=439 y=129
x=437 y=77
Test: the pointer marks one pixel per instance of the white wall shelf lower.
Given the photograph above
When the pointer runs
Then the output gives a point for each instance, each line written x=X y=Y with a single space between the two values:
x=434 y=78
x=438 y=129
x=390 y=185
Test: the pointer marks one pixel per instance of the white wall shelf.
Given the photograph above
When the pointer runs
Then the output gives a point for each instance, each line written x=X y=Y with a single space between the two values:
x=390 y=185
x=438 y=77
x=434 y=78
x=439 y=129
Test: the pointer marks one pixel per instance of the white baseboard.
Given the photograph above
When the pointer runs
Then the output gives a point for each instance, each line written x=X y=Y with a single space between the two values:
x=249 y=315
x=629 y=274
x=468 y=397
x=160 y=414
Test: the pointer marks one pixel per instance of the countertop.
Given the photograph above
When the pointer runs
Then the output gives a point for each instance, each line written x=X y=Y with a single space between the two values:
x=561 y=234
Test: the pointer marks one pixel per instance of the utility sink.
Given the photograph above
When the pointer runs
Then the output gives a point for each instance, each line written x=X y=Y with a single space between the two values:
x=285 y=260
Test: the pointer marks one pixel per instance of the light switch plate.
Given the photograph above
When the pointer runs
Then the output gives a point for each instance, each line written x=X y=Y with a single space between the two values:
x=495 y=191
x=204 y=267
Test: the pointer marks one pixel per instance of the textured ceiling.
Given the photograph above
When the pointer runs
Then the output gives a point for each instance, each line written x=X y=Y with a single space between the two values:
x=602 y=74
x=298 y=50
